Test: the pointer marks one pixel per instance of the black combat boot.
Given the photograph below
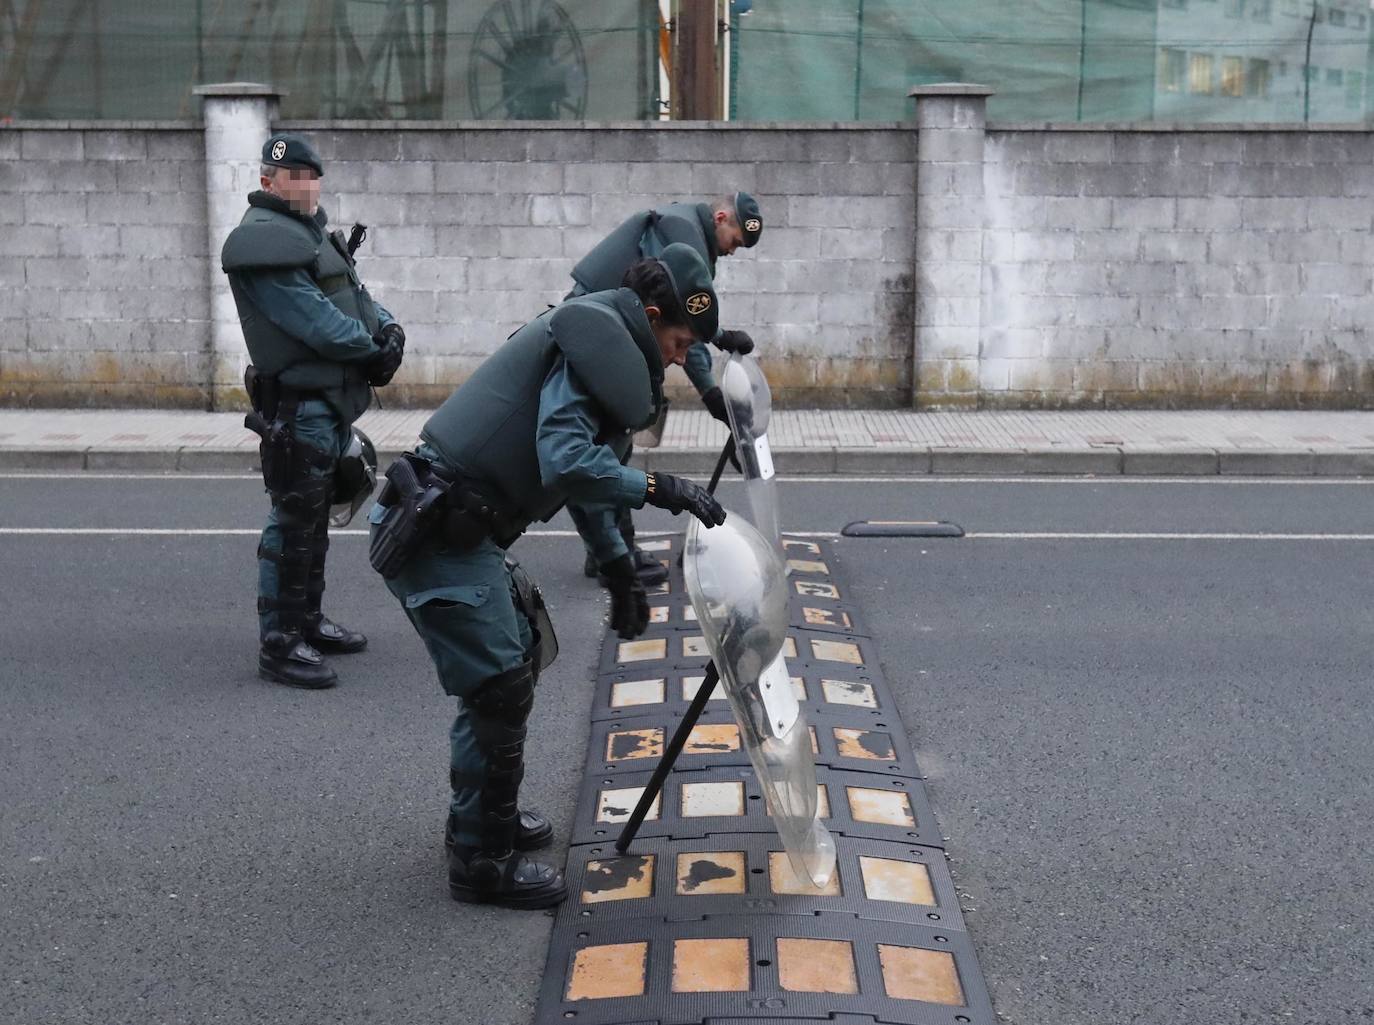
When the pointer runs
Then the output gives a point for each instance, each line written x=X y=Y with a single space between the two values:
x=498 y=874
x=288 y=658
x=328 y=636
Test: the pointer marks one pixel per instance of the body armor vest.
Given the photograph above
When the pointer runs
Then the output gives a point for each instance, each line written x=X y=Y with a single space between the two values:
x=486 y=431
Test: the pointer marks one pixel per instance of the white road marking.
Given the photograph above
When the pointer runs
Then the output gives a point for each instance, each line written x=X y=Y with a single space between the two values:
x=1155 y=536
x=1232 y=481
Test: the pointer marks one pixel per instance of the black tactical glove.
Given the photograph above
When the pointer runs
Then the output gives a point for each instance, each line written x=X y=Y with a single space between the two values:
x=678 y=495
x=629 y=603
x=735 y=341
x=382 y=366
x=714 y=402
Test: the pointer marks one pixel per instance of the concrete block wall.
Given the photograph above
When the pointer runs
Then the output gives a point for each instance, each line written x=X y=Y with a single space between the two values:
x=103 y=266
x=473 y=230
x=1205 y=268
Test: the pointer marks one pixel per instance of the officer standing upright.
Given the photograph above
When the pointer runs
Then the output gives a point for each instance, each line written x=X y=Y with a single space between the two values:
x=318 y=345
x=546 y=418
x=713 y=230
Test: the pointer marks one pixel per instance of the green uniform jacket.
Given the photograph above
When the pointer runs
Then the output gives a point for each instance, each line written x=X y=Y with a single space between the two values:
x=547 y=417
x=643 y=236
x=307 y=319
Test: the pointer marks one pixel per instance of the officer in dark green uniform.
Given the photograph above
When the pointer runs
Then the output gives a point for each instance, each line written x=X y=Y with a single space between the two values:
x=318 y=345
x=713 y=230
x=545 y=419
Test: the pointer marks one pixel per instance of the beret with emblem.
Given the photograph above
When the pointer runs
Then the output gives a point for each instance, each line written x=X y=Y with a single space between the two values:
x=750 y=220
x=691 y=280
x=287 y=150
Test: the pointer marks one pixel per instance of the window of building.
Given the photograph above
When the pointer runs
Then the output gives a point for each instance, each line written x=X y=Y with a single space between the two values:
x=1334 y=76
x=1354 y=89
x=1180 y=4
x=1261 y=10
x=1171 y=65
x=1361 y=20
x=1290 y=8
x=1199 y=72
x=1283 y=68
x=1232 y=76
x=1337 y=16
x=1234 y=8
x=1257 y=78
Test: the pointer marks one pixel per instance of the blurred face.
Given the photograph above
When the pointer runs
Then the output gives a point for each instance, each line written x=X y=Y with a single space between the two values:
x=299 y=186
x=729 y=237
x=673 y=340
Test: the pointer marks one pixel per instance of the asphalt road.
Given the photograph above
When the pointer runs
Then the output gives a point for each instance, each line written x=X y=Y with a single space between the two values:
x=1152 y=756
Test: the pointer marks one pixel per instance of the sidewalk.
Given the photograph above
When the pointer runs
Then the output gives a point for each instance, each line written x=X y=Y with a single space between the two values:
x=803 y=441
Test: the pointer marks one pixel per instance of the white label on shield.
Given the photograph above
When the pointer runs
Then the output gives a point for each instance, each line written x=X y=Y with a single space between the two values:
x=779 y=699
x=765 y=457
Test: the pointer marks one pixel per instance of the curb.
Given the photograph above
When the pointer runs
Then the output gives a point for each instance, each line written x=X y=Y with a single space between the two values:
x=1104 y=461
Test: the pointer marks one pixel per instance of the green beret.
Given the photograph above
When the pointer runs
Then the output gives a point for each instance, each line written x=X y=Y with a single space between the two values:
x=691 y=280
x=287 y=150
x=750 y=220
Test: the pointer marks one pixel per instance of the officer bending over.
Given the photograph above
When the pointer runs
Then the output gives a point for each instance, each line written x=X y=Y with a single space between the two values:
x=713 y=230
x=545 y=419
x=318 y=344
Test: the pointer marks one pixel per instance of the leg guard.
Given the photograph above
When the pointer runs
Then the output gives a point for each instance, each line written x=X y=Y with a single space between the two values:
x=297 y=511
x=499 y=709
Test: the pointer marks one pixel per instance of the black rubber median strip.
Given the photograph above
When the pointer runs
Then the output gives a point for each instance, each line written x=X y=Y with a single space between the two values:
x=902 y=528
x=703 y=919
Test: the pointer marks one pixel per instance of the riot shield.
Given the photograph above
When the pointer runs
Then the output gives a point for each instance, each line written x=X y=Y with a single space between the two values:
x=739 y=591
x=749 y=404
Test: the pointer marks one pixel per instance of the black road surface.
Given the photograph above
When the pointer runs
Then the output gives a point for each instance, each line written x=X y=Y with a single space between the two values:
x=1153 y=756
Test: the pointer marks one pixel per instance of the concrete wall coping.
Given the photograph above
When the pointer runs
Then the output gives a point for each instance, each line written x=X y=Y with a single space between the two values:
x=102 y=126
x=238 y=89
x=951 y=89
x=1173 y=127
x=619 y=126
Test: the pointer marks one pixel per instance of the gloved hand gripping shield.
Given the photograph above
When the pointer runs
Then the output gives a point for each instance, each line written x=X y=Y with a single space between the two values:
x=738 y=588
x=749 y=406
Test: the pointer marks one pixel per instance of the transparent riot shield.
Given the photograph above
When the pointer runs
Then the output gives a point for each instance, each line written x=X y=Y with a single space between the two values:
x=749 y=404
x=739 y=591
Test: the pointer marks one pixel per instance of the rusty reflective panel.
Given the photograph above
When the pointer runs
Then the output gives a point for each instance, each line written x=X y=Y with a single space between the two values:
x=703 y=800
x=783 y=878
x=695 y=647
x=689 y=614
x=884 y=807
x=816 y=589
x=837 y=651
x=608 y=970
x=910 y=973
x=642 y=650
x=623 y=878
x=657 y=544
x=789 y=648
x=808 y=566
x=624 y=745
x=710 y=872
x=809 y=547
x=907 y=882
x=846 y=692
x=815 y=747
x=817 y=966
x=616 y=805
x=826 y=617
x=691 y=684
x=712 y=738
x=659 y=614
x=863 y=744
x=711 y=965
x=798 y=687
x=822 y=802
x=637 y=692
x=659 y=589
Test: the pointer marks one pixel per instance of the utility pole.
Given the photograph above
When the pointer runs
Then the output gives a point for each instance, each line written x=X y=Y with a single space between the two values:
x=696 y=85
